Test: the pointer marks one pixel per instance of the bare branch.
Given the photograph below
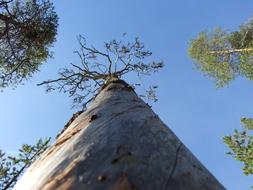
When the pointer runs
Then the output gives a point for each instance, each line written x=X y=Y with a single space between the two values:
x=82 y=81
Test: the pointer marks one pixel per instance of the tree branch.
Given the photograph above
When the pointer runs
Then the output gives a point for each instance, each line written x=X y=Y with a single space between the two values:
x=232 y=51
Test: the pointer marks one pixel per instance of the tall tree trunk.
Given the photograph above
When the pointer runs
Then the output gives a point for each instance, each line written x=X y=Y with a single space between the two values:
x=119 y=143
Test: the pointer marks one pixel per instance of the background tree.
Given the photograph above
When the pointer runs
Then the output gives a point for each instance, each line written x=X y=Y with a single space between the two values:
x=82 y=81
x=241 y=145
x=27 y=30
x=223 y=56
x=12 y=167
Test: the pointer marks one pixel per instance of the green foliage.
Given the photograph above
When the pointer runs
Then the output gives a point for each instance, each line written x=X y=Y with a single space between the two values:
x=12 y=167
x=246 y=66
x=224 y=56
x=241 y=145
x=243 y=38
x=214 y=65
x=27 y=30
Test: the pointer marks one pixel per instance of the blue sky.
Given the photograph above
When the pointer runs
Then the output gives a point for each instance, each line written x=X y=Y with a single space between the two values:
x=188 y=103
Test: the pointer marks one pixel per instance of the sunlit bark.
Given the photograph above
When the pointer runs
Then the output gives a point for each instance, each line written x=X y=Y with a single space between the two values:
x=119 y=143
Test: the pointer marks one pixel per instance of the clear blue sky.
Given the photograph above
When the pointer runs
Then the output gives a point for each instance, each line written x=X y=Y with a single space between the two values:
x=188 y=103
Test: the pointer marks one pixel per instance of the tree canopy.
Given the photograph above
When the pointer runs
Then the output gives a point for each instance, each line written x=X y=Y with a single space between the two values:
x=118 y=58
x=12 y=167
x=223 y=56
x=241 y=145
x=27 y=30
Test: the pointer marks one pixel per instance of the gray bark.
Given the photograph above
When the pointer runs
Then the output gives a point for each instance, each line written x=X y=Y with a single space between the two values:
x=119 y=143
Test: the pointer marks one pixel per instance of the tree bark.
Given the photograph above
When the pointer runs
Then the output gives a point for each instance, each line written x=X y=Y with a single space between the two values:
x=119 y=143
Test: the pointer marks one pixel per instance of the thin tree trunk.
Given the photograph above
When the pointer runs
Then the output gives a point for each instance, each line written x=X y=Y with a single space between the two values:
x=119 y=143
x=232 y=51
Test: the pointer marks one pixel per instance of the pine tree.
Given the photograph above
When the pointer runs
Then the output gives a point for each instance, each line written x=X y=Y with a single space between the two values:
x=223 y=56
x=12 y=167
x=27 y=31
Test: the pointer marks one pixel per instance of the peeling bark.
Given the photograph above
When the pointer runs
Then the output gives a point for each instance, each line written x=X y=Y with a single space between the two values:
x=119 y=143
